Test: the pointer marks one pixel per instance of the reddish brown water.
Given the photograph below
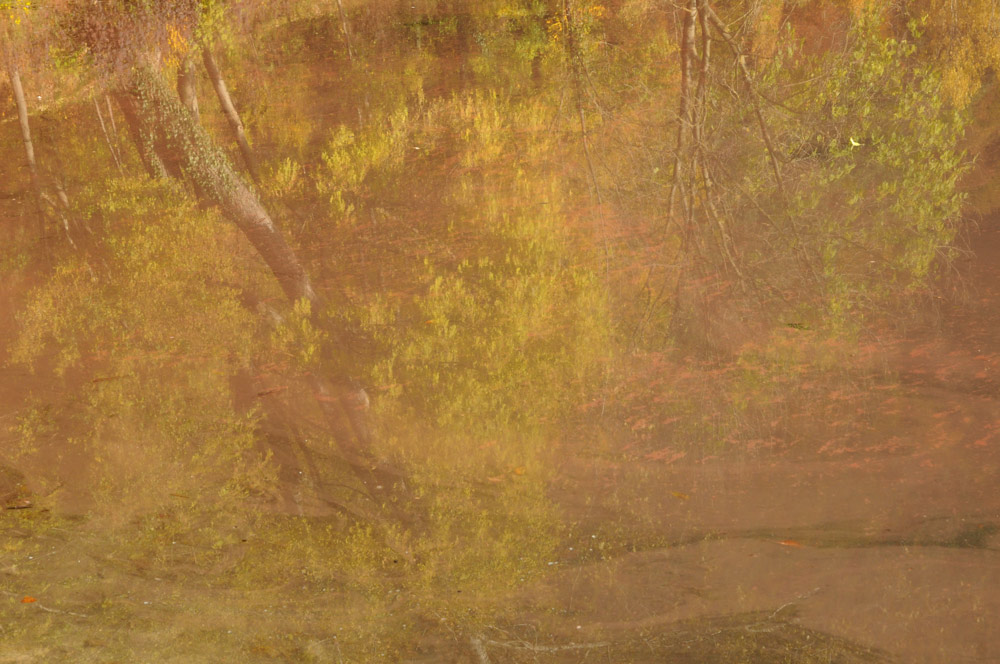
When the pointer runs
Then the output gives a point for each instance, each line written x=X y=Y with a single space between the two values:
x=887 y=537
x=867 y=529
x=884 y=537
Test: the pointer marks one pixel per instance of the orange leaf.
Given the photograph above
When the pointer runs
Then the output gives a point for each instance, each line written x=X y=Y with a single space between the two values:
x=28 y=599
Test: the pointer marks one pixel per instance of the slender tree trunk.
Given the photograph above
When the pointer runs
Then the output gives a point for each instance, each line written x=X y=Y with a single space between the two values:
x=151 y=161
x=232 y=115
x=22 y=116
x=702 y=168
x=347 y=32
x=114 y=126
x=700 y=108
x=60 y=205
x=684 y=105
x=186 y=88
x=107 y=138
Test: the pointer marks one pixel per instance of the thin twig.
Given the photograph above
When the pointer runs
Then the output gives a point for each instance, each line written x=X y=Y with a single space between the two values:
x=114 y=126
x=68 y=613
x=524 y=645
x=573 y=52
x=107 y=137
x=741 y=62
x=684 y=112
x=45 y=608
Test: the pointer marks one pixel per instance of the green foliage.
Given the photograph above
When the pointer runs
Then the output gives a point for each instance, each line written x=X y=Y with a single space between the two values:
x=152 y=320
x=13 y=262
x=882 y=204
x=298 y=338
x=866 y=208
x=213 y=24
x=484 y=129
x=480 y=347
x=286 y=179
x=480 y=549
x=32 y=424
x=520 y=41
x=958 y=40
x=478 y=352
x=490 y=341
x=350 y=159
x=512 y=35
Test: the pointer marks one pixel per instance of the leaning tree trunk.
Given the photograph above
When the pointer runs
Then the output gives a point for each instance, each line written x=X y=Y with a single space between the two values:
x=232 y=115
x=182 y=143
x=188 y=152
x=151 y=161
x=186 y=88
x=22 y=116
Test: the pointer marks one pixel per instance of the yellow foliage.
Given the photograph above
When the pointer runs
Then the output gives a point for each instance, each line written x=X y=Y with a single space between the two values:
x=177 y=41
x=148 y=320
x=767 y=26
x=16 y=10
x=963 y=37
x=859 y=7
x=178 y=46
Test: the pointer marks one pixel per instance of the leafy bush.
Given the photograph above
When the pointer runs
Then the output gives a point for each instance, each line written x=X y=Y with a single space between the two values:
x=149 y=329
x=349 y=159
x=873 y=204
x=912 y=167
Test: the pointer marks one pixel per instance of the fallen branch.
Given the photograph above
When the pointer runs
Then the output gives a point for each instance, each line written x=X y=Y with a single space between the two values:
x=524 y=645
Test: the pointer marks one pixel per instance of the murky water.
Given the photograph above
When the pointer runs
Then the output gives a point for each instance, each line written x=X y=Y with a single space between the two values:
x=515 y=375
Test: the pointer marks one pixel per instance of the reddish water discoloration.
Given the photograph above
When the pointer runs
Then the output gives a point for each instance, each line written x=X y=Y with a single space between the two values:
x=884 y=534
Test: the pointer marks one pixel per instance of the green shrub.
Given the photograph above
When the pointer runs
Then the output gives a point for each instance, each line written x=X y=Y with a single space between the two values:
x=151 y=324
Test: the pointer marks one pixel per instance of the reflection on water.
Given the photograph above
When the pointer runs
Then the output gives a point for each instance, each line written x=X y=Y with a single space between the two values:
x=658 y=341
